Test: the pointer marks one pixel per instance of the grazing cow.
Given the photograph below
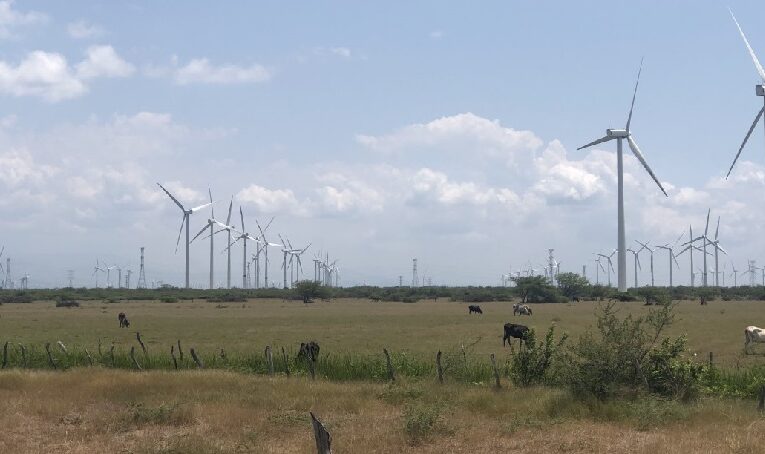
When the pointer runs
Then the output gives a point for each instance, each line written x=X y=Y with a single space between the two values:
x=575 y=299
x=514 y=331
x=474 y=308
x=124 y=323
x=753 y=335
x=309 y=350
x=521 y=309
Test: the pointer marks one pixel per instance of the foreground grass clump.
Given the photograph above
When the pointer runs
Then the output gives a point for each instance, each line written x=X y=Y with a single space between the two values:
x=214 y=411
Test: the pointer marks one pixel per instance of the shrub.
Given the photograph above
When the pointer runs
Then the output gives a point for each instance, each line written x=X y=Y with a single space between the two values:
x=421 y=421
x=168 y=299
x=533 y=364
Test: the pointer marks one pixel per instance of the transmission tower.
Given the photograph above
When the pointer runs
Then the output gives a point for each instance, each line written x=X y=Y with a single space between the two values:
x=415 y=280
x=551 y=264
x=141 y=274
x=127 y=278
x=400 y=280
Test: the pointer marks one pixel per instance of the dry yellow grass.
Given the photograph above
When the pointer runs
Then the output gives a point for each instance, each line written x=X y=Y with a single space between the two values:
x=352 y=325
x=104 y=411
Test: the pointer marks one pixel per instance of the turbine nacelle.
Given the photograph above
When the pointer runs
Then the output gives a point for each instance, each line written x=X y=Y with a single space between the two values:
x=760 y=90
x=617 y=133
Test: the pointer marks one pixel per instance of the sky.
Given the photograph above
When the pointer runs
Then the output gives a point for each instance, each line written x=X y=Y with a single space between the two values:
x=376 y=133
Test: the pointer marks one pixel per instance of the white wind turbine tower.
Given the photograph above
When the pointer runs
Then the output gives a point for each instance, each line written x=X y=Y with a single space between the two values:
x=266 y=244
x=96 y=270
x=759 y=90
x=1 y=264
x=734 y=274
x=243 y=235
x=211 y=223
x=635 y=256
x=671 y=252
x=705 y=239
x=109 y=276
x=228 y=228
x=598 y=267
x=650 y=251
x=610 y=265
x=185 y=221
x=619 y=135
x=718 y=248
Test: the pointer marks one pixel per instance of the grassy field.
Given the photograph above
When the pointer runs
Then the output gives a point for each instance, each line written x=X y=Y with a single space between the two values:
x=354 y=326
x=86 y=411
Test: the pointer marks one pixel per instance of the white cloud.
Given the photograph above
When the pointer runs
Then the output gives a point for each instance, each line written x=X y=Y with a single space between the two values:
x=11 y=18
x=41 y=74
x=200 y=70
x=271 y=200
x=19 y=167
x=103 y=61
x=82 y=29
x=436 y=34
x=341 y=51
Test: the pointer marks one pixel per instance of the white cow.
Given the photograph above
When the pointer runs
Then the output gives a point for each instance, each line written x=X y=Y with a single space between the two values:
x=753 y=335
x=521 y=309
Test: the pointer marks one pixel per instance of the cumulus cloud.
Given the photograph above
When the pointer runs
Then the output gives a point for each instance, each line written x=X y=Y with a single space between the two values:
x=271 y=200
x=10 y=18
x=82 y=29
x=18 y=167
x=201 y=71
x=103 y=61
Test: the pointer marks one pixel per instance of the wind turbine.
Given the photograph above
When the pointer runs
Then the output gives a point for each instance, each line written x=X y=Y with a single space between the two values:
x=672 y=256
x=610 y=265
x=598 y=267
x=705 y=238
x=243 y=235
x=96 y=269
x=211 y=223
x=228 y=227
x=718 y=248
x=635 y=255
x=734 y=274
x=759 y=91
x=650 y=251
x=266 y=244
x=186 y=214
x=619 y=135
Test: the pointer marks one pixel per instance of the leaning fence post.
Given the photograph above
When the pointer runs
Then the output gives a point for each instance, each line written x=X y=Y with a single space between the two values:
x=23 y=355
x=200 y=364
x=172 y=354
x=62 y=347
x=143 y=347
x=270 y=359
x=322 y=437
x=100 y=354
x=286 y=363
x=5 y=355
x=311 y=367
x=496 y=372
x=51 y=361
x=711 y=359
x=111 y=353
x=180 y=352
x=761 y=403
x=439 y=368
x=391 y=375
x=132 y=356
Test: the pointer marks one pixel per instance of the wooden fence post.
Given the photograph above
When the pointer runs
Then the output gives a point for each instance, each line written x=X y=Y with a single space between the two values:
x=180 y=352
x=51 y=361
x=111 y=353
x=5 y=355
x=143 y=347
x=172 y=354
x=311 y=367
x=23 y=355
x=90 y=358
x=62 y=346
x=496 y=372
x=761 y=403
x=439 y=368
x=711 y=359
x=132 y=356
x=322 y=437
x=286 y=363
x=100 y=354
x=270 y=359
x=391 y=374
x=200 y=364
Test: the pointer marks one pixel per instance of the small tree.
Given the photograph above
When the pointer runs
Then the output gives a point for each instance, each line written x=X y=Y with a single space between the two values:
x=535 y=289
x=572 y=284
x=308 y=290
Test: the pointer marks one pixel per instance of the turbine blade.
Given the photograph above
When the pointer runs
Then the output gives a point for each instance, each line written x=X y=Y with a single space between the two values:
x=749 y=48
x=675 y=259
x=180 y=231
x=717 y=230
x=195 y=209
x=706 y=228
x=595 y=142
x=212 y=209
x=230 y=206
x=639 y=155
x=241 y=215
x=200 y=232
x=749 y=133
x=634 y=94
x=171 y=196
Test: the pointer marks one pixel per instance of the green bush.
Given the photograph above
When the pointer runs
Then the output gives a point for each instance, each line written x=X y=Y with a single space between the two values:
x=421 y=421
x=168 y=299
x=535 y=364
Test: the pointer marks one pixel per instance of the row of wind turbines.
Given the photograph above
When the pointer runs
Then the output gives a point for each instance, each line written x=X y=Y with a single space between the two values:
x=625 y=134
x=324 y=271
